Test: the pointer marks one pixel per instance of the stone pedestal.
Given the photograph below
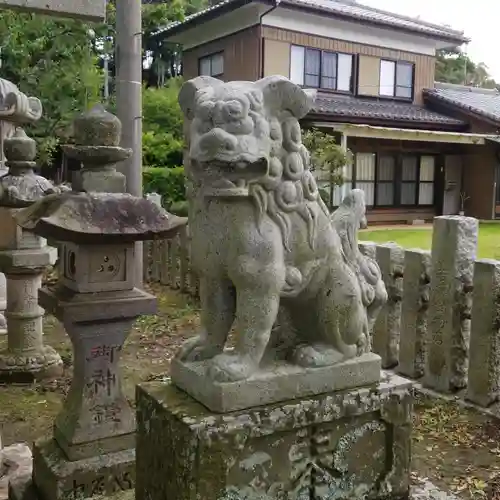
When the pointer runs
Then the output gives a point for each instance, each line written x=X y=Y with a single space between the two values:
x=56 y=477
x=319 y=447
x=276 y=381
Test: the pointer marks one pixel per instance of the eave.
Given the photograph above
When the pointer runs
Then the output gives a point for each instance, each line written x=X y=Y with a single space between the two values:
x=373 y=132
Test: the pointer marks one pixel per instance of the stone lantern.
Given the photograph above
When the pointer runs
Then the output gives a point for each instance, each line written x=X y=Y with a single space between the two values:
x=16 y=108
x=24 y=257
x=92 y=451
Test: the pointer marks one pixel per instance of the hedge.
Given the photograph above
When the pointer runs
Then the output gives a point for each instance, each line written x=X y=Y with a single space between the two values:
x=168 y=182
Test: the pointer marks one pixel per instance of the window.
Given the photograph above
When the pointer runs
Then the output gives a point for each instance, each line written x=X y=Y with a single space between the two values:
x=212 y=65
x=386 y=176
x=426 y=180
x=365 y=176
x=312 y=68
x=321 y=69
x=391 y=180
x=409 y=172
x=297 y=59
x=396 y=79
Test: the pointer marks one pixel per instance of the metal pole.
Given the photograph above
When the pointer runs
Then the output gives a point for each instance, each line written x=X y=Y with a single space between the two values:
x=129 y=97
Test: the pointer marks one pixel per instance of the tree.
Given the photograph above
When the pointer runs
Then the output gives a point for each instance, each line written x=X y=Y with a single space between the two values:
x=453 y=66
x=327 y=160
x=53 y=60
x=160 y=61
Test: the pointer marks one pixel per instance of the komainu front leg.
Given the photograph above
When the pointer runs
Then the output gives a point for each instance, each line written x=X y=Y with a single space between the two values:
x=255 y=317
x=218 y=306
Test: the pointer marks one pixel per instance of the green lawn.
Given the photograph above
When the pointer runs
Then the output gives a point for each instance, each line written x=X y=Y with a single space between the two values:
x=489 y=238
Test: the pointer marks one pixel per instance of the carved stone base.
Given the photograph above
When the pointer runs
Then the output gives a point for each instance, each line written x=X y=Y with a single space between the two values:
x=345 y=445
x=57 y=478
x=277 y=382
x=27 y=368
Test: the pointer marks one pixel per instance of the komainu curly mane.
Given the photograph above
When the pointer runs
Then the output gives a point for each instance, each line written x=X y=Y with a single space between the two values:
x=289 y=185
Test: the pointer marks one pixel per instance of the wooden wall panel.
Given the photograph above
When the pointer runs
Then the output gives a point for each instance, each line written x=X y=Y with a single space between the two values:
x=479 y=181
x=241 y=55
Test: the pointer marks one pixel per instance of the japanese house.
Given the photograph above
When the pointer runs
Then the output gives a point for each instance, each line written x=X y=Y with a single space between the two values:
x=419 y=147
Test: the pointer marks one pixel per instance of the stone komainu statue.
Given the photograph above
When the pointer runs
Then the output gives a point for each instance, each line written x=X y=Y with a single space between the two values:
x=262 y=238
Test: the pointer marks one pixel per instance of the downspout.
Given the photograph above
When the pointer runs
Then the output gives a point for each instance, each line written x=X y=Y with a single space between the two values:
x=261 y=39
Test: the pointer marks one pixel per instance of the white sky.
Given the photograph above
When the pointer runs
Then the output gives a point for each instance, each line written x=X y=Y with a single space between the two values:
x=479 y=19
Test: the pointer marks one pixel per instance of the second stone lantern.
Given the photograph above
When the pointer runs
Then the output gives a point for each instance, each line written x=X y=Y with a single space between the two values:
x=96 y=300
x=24 y=257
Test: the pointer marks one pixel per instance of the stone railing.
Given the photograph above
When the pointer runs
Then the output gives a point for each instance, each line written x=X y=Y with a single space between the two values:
x=441 y=324
x=168 y=263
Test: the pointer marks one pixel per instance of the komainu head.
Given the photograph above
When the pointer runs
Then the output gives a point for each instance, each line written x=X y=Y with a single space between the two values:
x=237 y=128
x=245 y=140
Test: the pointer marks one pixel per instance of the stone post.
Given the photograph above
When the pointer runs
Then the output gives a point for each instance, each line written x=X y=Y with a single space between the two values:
x=454 y=244
x=15 y=108
x=484 y=361
x=415 y=305
x=390 y=258
x=92 y=451
x=23 y=258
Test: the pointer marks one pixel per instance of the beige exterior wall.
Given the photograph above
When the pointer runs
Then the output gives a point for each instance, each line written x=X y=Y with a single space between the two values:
x=424 y=64
x=368 y=75
x=276 y=58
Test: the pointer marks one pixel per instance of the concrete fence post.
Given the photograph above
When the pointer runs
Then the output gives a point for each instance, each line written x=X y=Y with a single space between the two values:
x=454 y=245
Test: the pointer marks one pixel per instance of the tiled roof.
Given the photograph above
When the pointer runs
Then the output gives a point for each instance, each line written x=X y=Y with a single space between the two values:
x=343 y=8
x=355 y=107
x=483 y=102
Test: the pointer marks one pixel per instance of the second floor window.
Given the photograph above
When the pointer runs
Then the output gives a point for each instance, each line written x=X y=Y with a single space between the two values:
x=212 y=65
x=321 y=69
x=396 y=79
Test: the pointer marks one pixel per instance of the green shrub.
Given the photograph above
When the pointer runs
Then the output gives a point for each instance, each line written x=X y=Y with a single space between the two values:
x=161 y=149
x=168 y=182
x=162 y=138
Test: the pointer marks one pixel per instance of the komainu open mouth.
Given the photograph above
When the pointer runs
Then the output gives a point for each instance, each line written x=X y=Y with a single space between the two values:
x=231 y=178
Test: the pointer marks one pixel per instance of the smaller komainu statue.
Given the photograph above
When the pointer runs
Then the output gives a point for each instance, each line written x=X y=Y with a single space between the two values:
x=263 y=241
x=347 y=220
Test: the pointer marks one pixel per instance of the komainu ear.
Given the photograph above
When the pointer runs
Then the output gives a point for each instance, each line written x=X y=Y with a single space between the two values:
x=187 y=94
x=281 y=94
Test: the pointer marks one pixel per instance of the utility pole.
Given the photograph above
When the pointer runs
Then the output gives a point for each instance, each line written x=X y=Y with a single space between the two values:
x=128 y=59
